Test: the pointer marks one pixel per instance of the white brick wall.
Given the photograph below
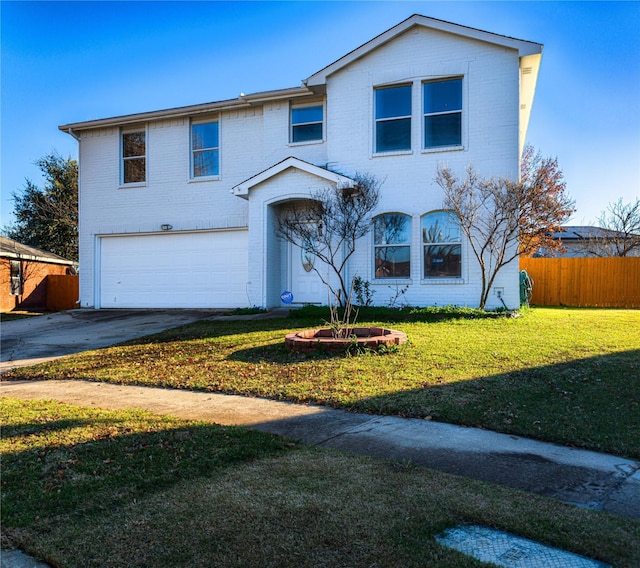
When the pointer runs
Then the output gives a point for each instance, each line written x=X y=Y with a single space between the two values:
x=490 y=140
x=252 y=140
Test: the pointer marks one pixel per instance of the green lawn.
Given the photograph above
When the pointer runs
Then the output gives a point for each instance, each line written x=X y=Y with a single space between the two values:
x=570 y=376
x=83 y=487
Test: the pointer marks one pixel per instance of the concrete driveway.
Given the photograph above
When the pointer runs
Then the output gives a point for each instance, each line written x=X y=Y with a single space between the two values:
x=41 y=338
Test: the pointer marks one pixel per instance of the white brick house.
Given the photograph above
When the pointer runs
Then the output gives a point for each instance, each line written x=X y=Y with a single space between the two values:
x=177 y=205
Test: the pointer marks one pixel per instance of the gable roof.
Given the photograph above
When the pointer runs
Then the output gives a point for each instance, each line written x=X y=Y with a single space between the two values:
x=523 y=47
x=15 y=250
x=529 y=52
x=242 y=189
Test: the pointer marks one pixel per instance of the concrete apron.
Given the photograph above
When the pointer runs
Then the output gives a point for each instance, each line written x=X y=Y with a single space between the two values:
x=584 y=478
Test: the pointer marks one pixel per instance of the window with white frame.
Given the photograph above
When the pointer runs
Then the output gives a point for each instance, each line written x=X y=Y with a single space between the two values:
x=393 y=118
x=306 y=123
x=134 y=156
x=16 y=278
x=205 y=149
x=392 y=245
x=442 y=107
x=442 y=246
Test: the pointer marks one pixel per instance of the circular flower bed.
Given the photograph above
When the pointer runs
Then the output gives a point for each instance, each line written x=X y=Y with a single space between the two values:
x=311 y=340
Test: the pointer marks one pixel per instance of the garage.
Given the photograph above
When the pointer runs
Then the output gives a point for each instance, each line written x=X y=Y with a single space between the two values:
x=174 y=270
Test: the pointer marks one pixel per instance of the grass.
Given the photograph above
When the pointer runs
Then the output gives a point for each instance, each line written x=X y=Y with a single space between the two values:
x=16 y=315
x=86 y=487
x=570 y=376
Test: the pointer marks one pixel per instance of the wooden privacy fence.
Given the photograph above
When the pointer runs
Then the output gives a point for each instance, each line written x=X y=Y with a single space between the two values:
x=62 y=292
x=584 y=282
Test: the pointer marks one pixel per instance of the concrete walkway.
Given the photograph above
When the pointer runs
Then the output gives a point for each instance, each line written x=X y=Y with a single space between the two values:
x=589 y=479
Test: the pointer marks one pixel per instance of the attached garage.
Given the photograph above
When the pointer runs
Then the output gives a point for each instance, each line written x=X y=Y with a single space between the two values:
x=173 y=270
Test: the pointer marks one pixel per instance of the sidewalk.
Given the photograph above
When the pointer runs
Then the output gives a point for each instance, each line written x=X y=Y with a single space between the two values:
x=584 y=478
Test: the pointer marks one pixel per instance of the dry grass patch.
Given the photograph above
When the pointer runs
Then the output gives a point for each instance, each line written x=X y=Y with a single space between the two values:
x=261 y=502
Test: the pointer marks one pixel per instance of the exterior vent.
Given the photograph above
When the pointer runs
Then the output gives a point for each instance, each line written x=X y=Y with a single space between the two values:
x=526 y=70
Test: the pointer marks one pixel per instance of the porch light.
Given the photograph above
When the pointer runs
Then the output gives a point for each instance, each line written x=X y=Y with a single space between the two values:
x=166 y=227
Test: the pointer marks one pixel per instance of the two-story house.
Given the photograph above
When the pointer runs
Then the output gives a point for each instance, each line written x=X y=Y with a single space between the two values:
x=177 y=206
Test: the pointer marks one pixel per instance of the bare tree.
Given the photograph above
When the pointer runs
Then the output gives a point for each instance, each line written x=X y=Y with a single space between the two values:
x=329 y=224
x=502 y=218
x=619 y=233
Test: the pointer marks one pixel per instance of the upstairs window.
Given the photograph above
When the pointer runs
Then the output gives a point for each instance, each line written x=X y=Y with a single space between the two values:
x=442 y=245
x=205 y=149
x=306 y=123
x=392 y=249
x=442 y=103
x=134 y=157
x=393 y=119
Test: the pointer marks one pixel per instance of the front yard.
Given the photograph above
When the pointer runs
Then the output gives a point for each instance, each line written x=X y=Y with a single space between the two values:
x=570 y=376
x=86 y=488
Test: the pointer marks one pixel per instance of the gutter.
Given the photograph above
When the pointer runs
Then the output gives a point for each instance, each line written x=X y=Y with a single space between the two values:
x=34 y=258
x=243 y=101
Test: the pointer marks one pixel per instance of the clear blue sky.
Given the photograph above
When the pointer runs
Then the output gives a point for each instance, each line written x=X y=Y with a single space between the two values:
x=74 y=61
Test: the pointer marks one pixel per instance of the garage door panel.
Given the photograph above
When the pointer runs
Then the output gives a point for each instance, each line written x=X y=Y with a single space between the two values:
x=187 y=270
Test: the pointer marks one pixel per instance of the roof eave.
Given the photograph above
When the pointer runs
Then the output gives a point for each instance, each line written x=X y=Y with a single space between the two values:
x=242 y=189
x=36 y=258
x=523 y=47
x=243 y=101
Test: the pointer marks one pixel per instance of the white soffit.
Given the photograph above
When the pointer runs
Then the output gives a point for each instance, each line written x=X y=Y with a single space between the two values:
x=242 y=189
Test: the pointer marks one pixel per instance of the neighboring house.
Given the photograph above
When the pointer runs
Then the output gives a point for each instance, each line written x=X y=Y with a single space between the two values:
x=177 y=206
x=23 y=275
x=588 y=241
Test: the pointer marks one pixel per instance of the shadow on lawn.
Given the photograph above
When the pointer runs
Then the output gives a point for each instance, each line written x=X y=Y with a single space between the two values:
x=115 y=466
x=311 y=317
x=592 y=403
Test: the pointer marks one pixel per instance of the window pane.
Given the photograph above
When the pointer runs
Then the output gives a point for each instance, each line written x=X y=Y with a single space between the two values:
x=442 y=261
x=133 y=144
x=392 y=135
x=443 y=130
x=205 y=163
x=306 y=114
x=392 y=262
x=394 y=101
x=16 y=278
x=204 y=136
x=392 y=229
x=134 y=170
x=306 y=132
x=442 y=96
x=440 y=227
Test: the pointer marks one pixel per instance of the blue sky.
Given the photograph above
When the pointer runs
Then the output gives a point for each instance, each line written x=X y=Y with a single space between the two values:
x=74 y=61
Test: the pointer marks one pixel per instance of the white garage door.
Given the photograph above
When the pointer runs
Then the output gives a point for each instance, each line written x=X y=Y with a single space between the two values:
x=175 y=270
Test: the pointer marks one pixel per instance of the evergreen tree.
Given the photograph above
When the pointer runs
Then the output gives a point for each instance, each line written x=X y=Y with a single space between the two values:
x=47 y=217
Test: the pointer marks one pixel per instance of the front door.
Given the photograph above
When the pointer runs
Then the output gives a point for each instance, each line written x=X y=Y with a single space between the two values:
x=306 y=285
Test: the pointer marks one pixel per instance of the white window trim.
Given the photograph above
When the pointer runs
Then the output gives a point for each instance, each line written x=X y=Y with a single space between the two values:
x=462 y=111
x=373 y=246
x=16 y=283
x=446 y=279
x=406 y=151
x=121 y=183
x=216 y=177
x=320 y=140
